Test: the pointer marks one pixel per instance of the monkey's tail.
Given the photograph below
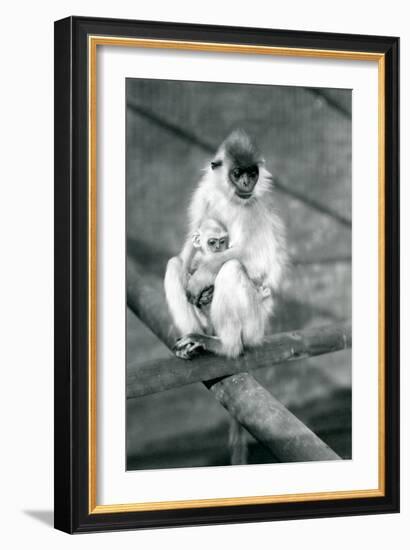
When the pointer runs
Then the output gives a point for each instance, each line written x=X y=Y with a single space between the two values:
x=238 y=443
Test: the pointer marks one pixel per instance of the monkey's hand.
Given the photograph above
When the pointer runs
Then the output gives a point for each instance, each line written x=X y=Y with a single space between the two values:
x=188 y=346
x=205 y=298
x=200 y=287
x=265 y=291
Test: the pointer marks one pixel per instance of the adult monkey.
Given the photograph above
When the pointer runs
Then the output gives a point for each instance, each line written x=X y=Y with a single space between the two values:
x=237 y=190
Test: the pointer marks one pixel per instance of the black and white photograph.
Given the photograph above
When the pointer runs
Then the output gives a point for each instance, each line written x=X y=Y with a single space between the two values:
x=205 y=275
x=239 y=238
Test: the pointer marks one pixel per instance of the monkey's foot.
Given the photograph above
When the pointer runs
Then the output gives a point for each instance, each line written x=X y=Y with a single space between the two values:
x=205 y=297
x=188 y=347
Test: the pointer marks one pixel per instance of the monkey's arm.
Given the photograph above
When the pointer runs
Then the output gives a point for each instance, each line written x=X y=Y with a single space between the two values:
x=200 y=284
x=210 y=265
x=187 y=254
x=197 y=211
x=214 y=263
x=195 y=263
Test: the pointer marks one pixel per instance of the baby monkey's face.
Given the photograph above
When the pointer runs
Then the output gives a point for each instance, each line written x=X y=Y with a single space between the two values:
x=217 y=243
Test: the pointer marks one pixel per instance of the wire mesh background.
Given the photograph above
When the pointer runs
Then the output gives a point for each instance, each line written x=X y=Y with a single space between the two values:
x=173 y=129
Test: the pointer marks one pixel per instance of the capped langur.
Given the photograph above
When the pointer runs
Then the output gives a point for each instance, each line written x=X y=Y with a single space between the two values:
x=211 y=237
x=239 y=282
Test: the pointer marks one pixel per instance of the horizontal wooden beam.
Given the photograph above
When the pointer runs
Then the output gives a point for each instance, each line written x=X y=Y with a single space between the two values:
x=164 y=374
x=242 y=396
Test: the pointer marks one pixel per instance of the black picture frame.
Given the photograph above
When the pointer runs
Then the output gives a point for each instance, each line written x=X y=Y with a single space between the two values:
x=71 y=492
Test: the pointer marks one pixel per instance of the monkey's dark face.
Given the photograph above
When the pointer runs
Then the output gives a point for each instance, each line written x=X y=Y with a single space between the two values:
x=244 y=179
x=240 y=161
x=217 y=244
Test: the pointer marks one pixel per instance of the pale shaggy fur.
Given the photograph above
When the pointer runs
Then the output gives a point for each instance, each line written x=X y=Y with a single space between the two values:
x=239 y=311
x=253 y=226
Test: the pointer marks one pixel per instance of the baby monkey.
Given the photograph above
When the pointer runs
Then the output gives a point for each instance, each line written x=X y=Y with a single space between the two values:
x=210 y=238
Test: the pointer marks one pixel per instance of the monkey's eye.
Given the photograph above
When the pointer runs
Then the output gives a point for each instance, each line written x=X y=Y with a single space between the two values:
x=222 y=241
x=212 y=242
x=236 y=173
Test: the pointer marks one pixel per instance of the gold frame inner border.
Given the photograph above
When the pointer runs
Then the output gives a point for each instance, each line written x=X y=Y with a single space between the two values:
x=93 y=42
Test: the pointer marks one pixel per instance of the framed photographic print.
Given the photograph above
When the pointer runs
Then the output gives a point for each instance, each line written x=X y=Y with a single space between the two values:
x=226 y=274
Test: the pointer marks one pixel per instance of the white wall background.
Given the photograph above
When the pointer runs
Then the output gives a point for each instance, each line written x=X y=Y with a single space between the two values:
x=26 y=295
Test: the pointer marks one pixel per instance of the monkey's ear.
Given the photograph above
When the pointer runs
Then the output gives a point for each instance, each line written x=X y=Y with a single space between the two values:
x=216 y=164
x=196 y=239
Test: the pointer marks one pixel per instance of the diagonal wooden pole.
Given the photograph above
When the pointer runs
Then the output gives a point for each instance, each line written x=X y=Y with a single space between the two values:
x=243 y=397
